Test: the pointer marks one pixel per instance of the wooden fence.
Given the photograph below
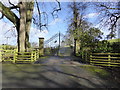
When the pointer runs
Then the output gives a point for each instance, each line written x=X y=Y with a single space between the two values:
x=7 y=55
x=105 y=59
x=18 y=57
x=85 y=57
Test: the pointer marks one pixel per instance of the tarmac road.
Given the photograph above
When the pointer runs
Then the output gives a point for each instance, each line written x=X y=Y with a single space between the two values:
x=56 y=72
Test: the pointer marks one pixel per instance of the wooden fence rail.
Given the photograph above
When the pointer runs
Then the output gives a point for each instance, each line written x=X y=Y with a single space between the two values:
x=18 y=57
x=105 y=59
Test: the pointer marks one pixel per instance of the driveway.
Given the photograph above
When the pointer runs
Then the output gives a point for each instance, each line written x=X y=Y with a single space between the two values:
x=56 y=72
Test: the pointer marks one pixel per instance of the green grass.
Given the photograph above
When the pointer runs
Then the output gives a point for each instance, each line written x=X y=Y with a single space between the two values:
x=44 y=57
x=101 y=72
x=114 y=40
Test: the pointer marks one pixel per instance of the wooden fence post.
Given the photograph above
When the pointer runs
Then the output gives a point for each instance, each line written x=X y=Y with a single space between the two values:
x=35 y=55
x=109 y=60
x=91 y=58
x=32 y=56
x=15 y=56
x=41 y=47
x=0 y=55
x=3 y=53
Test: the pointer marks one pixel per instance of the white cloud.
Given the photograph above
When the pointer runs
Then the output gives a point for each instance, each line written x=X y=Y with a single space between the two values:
x=91 y=15
x=42 y=33
x=5 y=26
x=35 y=11
x=35 y=34
x=55 y=21
x=7 y=30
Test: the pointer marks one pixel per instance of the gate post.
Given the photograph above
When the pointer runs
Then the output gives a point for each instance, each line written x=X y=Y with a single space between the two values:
x=91 y=59
x=32 y=56
x=41 y=46
x=15 y=56
x=75 y=46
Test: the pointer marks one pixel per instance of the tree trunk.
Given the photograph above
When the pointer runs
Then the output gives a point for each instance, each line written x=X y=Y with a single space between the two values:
x=29 y=13
x=21 y=33
x=26 y=11
x=23 y=23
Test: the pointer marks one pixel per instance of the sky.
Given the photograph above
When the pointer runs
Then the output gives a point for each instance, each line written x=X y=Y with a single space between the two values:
x=8 y=33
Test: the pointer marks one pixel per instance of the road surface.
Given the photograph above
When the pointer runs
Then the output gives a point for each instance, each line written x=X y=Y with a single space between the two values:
x=56 y=72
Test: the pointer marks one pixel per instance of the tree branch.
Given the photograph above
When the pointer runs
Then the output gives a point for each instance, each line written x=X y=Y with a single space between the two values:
x=40 y=23
x=39 y=13
x=56 y=10
x=9 y=14
x=109 y=7
x=110 y=17
x=13 y=6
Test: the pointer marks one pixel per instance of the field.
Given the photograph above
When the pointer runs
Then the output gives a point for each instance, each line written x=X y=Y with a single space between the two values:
x=114 y=40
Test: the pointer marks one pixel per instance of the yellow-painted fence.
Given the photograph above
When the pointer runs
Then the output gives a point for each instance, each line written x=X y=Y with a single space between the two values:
x=18 y=57
x=105 y=59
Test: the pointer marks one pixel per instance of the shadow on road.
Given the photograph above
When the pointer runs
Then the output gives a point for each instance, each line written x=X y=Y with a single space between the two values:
x=55 y=72
x=36 y=76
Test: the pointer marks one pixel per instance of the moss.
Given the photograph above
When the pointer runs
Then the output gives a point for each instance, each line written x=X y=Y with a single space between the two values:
x=97 y=71
x=44 y=57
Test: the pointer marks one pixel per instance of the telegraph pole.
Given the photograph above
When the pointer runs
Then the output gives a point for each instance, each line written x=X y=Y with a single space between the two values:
x=7 y=40
x=59 y=40
x=59 y=44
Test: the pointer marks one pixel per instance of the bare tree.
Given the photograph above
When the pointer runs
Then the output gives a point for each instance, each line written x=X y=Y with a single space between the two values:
x=77 y=24
x=109 y=14
x=23 y=23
